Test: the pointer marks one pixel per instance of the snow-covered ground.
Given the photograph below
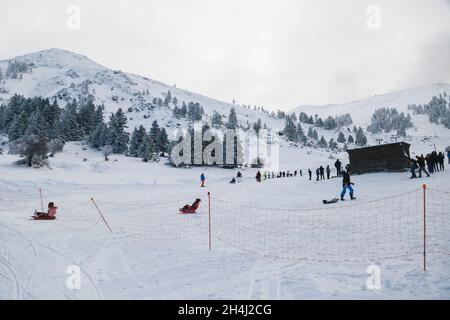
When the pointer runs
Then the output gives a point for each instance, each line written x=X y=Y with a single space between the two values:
x=300 y=250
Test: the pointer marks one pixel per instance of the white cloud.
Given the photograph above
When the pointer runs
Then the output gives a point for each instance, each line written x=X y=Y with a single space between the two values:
x=266 y=52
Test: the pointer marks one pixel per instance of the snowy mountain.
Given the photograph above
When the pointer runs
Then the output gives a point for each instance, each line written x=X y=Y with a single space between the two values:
x=65 y=75
x=362 y=110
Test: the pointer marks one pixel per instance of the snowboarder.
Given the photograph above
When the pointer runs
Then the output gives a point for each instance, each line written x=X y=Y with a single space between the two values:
x=239 y=177
x=328 y=172
x=202 y=180
x=49 y=215
x=310 y=174
x=346 y=184
x=258 y=176
x=421 y=163
x=338 y=166
x=191 y=209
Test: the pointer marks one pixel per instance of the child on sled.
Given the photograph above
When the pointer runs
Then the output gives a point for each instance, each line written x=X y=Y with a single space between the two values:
x=50 y=214
x=191 y=209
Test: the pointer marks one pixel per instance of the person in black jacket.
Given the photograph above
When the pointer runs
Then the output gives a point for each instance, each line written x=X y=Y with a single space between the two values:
x=421 y=164
x=310 y=174
x=346 y=184
x=338 y=166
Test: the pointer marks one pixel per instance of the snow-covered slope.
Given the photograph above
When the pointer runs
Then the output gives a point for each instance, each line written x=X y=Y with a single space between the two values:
x=362 y=110
x=67 y=75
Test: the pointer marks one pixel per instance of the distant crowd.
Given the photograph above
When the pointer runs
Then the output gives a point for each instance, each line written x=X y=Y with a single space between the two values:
x=433 y=161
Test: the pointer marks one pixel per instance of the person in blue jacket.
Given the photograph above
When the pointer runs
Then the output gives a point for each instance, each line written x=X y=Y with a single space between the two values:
x=202 y=180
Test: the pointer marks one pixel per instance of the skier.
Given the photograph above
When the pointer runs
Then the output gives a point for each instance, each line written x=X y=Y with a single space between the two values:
x=338 y=166
x=317 y=174
x=258 y=176
x=421 y=163
x=202 y=180
x=328 y=172
x=310 y=174
x=50 y=214
x=346 y=184
x=239 y=177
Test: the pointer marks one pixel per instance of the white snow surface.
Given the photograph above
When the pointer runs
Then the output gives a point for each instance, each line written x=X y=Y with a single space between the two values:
x=155 y=253
x=272 y=240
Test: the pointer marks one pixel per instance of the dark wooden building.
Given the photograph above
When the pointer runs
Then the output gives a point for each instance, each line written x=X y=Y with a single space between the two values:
x=385 y=157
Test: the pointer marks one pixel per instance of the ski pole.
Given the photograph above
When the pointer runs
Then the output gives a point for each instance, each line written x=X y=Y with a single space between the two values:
x=42 y=203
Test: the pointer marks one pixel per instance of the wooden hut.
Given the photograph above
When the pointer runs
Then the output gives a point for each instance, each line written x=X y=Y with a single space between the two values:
x=385 y=157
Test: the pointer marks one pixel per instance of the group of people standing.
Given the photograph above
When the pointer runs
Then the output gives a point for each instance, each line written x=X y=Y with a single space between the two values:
x=266 y=175
x=433 y=161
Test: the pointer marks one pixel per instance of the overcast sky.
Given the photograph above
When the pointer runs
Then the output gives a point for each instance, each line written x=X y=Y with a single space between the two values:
x=275 y=53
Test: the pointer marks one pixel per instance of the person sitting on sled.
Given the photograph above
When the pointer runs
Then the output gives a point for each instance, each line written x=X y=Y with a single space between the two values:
x=51 y=212
x=191 y=209
x=346 y=184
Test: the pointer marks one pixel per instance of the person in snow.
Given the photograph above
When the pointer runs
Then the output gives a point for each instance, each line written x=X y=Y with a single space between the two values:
x=239 y=177
x=346 y=184
x=322 y=173
x=441 y=160
x=258 y=176
x=338 y=166
x=301 y=173
x=202 y=180
x=310 y=174
x=317 y=174
x=421 y=164
x=413 y=168
x=448 y=156
x=191 y=208
x=51 y=212
x=328 y=172
x=233 y=181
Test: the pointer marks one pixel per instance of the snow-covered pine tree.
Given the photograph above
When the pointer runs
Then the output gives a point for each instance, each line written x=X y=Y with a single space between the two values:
x=341 y=138
x=322 y=142
x=137 y=138
x=290 y=130
x=216 y=120
x=117 y=137
x=163 y=142
x=350 y=139
x=232 y=122
x=361 y=139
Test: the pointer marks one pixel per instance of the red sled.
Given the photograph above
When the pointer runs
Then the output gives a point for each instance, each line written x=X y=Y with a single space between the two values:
x=43 y=217
x=188 y=211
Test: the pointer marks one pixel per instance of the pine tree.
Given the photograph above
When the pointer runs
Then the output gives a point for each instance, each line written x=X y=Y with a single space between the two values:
x=216 y=120
x=290 y=130
x=70 y=123
x=117 y=137
x=163 y=142
x=18 y=127
x=332 y=144
x=146 y=148
x=136 y=140
x=341 y=138
x=232 y=122
x=361 y=139
x=257 y=126
x=97 y=139
x=350 y=139
x=154 y=135
x=323 y=143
